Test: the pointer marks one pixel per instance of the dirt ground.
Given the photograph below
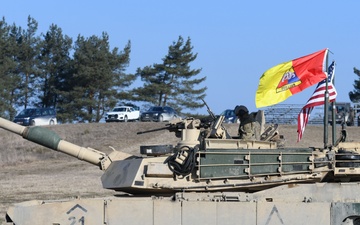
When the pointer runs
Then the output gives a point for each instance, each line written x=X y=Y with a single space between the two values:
x=29 y=172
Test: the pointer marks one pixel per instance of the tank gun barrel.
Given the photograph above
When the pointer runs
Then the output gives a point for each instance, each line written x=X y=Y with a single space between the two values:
x=50 y=139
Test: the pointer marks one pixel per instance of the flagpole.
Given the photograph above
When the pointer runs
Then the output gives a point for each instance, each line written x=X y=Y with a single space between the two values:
x=333 y=114
x=326 y=104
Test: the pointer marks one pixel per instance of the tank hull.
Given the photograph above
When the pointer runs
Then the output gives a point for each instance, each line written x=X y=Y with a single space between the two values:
x=321 y=203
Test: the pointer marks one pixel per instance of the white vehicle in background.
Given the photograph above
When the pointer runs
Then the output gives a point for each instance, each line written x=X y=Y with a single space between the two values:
x=122 y=114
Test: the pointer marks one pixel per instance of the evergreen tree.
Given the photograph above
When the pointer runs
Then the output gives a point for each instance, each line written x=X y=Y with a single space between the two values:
x=4 y=104
x=28 y=63
x=9 y=76
x=55 y=66
x=355 y=94
x=172 y=82
x=98 y=78
x=5 y=70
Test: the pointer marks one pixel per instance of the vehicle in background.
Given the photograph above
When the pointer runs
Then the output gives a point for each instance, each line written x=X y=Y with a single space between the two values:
x=129 y=104
x=230 y=116
x=343 y=113
x=36 y=117
x=159 y=114
x=122 y=114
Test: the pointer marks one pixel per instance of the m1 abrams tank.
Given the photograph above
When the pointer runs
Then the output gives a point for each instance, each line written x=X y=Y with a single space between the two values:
x=209 y=177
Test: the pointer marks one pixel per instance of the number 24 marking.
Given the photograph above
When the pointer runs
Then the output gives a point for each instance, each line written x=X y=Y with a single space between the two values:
x=73 y=220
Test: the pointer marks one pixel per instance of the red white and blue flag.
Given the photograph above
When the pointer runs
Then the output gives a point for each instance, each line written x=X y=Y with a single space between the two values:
x=317 y=98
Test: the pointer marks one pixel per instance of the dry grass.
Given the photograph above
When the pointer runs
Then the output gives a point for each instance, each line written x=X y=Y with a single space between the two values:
x=29 y=171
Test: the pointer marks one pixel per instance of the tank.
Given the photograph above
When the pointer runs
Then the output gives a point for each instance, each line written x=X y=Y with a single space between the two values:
x=209 y=177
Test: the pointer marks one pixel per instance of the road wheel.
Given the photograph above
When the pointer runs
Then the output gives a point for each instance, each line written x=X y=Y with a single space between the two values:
x=161 y=118
x=51 y=122
x=125 y=118
x=32 y=123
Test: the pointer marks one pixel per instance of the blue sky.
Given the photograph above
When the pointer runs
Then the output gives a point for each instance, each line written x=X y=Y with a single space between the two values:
x=236 y=41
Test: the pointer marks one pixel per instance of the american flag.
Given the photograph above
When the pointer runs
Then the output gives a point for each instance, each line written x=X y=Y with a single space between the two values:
x=317 y=98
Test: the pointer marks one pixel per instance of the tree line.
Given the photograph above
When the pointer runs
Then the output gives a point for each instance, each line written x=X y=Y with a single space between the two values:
x=83 y=79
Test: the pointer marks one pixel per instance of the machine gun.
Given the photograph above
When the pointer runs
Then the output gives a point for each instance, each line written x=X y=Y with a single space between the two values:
x=189 y=128
x=172 y=126
x=176 y=125
x=217 y=130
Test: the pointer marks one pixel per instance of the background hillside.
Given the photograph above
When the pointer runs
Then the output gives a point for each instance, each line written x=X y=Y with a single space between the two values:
x=29 y=171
